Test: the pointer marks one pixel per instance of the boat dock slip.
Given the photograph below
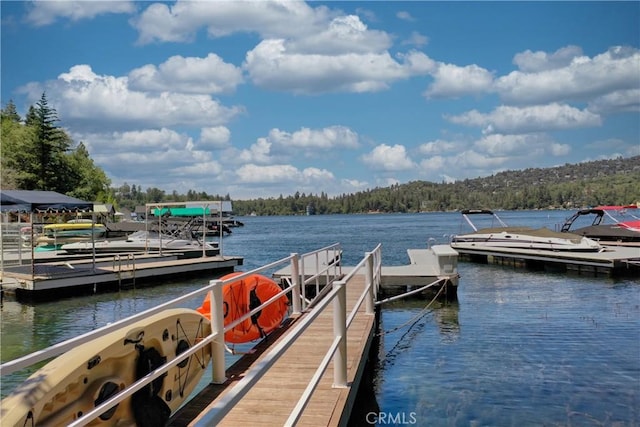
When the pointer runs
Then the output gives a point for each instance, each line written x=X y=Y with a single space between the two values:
x=80 y=276
x=613 y=261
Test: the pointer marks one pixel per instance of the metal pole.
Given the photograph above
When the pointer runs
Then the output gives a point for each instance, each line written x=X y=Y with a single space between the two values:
x=295 y=277
x=369 y=282
x=204 y=229
x=220 y=244
x=340 y=331
x=217 y=329
x=33 y=250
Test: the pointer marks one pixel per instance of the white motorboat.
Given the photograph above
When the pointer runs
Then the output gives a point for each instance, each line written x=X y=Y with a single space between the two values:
x=506 y=237
x=609 y=225
x=141 y=241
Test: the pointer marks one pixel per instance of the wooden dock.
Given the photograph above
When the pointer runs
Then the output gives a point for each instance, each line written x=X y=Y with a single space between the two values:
x=60 y=277
x=271 y=400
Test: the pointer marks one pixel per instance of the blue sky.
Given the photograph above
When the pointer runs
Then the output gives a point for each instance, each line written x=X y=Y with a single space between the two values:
x=257 y=99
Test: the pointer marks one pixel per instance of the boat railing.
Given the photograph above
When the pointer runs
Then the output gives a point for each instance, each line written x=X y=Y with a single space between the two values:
x=216 y=339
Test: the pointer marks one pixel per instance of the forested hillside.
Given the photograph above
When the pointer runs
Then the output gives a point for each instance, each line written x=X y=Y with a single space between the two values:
x=614 y=181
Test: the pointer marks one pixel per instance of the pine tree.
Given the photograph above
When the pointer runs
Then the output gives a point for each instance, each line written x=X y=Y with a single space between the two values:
x=10 y=112
x=52 y=144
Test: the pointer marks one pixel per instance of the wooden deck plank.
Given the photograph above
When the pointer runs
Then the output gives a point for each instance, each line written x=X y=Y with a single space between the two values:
x=271 y=400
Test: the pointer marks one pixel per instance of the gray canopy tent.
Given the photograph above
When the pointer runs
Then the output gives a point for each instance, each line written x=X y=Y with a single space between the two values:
x=41 y=202
x=37 y=202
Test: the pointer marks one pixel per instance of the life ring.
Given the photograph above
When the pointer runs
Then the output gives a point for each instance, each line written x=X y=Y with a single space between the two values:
x=242 y=296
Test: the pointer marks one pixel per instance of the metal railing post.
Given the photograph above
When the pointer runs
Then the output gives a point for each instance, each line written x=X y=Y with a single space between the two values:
x=217 y=329
x=316 y=272
x=340 y=331
x=303 y=281
x=369 y=283
x=295 y=277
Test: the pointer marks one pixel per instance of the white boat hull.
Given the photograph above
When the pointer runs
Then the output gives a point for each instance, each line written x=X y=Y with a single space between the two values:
x=524 y=241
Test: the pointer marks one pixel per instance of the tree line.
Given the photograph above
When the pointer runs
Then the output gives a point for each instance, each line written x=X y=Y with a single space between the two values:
x=39 y=155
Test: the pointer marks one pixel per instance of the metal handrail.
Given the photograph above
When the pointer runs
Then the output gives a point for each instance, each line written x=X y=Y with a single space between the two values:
x=218 y=330
x=337 y=350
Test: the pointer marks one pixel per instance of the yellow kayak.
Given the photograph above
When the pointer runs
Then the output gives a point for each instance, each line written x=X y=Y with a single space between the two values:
x=77 y=381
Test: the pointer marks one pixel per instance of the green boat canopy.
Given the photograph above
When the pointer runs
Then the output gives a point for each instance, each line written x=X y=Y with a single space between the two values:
x=183 y=211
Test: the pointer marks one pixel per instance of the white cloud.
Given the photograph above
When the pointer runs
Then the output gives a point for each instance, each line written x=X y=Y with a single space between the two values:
x=434 y=163
x=533 y=62
x=615 y=102
x=437 y=147
x=260 y=152
x=203 y=169
x=315 y=139
x=556 y=149
x=91 y=102
x=41 y=13
x=214 y=137
x=452 y=81
x=148 y=140
x=180 y=21
x=270 y=65
x=416 y=39
x=270 y=174
x=353 y=185
x=188 y=75
x=388 y=158
x=344 y=34
x=405 y=16
x=583 y=78
x=325 y=51
x=473 y=160
x=502 y=145
x=539 y=118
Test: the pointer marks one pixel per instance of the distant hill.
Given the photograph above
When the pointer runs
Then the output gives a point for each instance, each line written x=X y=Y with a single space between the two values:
x=613 y=181
x=559 y=174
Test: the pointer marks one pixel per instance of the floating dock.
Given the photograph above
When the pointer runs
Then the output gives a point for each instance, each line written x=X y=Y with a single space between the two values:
x=273 y=398
x=438 y=263
x=57 y=275
x=613 y=261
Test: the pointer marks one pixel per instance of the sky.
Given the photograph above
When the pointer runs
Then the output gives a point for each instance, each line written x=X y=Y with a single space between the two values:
x=257 y=99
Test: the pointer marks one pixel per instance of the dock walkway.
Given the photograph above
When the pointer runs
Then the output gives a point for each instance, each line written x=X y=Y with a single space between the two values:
x=613 y=261
x=53 y=276
x=272 y=399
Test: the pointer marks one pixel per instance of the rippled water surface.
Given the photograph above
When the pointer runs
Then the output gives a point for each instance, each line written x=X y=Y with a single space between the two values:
x=518 y=348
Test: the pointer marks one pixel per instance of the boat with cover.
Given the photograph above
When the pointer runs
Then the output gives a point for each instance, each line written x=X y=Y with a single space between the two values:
x=141 y=241
x=611 y=225
x=523 y=237
x=77 y=381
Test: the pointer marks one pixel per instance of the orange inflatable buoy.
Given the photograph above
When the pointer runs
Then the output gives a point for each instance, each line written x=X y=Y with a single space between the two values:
x=242 y=296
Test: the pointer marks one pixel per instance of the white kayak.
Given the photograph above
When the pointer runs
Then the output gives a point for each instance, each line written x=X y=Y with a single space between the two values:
x=77 y=381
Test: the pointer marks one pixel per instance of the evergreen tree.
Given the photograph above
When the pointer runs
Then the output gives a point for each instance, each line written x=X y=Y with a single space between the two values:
x=52 y=144
x=10 y=112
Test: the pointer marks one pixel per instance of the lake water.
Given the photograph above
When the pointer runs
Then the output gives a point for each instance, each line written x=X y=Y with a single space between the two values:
x=518 y=348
